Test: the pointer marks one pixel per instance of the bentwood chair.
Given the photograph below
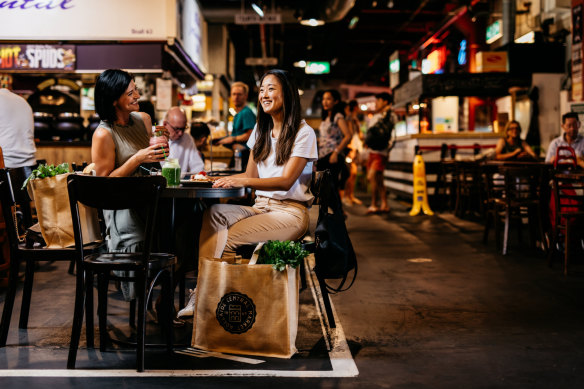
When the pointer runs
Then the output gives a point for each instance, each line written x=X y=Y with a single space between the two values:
x=568 y=213
x=144 y=268
x=15 y=202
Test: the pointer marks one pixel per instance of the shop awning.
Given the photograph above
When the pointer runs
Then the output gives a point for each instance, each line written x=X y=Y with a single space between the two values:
x=460 y=84
x=139 y=58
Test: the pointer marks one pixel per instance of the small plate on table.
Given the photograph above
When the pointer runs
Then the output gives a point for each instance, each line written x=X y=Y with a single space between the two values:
x=200 y=184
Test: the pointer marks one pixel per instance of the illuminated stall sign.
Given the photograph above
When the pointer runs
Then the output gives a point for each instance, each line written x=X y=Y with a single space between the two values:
x=61 y=20
x=37 y=57
x=317 y=68
x=193 y=32
x=494 y=32
x=394 y=69
x=434 y=63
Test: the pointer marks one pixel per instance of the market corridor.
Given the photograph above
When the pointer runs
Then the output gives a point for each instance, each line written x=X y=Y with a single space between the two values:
x=432 y=307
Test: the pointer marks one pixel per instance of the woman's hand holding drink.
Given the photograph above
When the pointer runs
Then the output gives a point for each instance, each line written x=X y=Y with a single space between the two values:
x=158 y=149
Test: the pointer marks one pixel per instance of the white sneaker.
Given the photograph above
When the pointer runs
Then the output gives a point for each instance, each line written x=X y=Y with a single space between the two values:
x=189 y=310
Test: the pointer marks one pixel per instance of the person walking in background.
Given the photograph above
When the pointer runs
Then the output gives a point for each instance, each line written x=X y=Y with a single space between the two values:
x=378 y=157
x=17 y=131
x=243 y=122
x=570 y=137
x=355 y=149
x=334 y=137
x=182 y=147
x=512 y=147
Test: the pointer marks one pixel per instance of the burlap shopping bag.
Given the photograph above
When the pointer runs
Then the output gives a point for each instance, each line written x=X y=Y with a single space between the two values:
x=51 y=200
x=246 y=309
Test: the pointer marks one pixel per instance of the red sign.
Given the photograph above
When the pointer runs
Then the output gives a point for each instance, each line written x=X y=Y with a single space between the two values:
x=37 y=57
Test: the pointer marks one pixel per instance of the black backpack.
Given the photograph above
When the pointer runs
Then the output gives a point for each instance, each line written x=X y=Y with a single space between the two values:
x=334 y=254
x=378 y=137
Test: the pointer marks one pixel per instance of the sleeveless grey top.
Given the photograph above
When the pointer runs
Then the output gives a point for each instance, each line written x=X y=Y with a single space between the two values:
x=128 y=139
x=124 y=228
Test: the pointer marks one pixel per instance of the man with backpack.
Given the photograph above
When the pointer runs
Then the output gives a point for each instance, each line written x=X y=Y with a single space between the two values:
x=377 y=141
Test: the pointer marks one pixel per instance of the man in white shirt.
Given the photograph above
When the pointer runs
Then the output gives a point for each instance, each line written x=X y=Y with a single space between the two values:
x=570 y=137
x=16 y=131
x=182 y=147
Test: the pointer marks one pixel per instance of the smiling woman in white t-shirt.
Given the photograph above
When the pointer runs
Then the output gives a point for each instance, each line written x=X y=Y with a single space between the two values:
x=283 y=148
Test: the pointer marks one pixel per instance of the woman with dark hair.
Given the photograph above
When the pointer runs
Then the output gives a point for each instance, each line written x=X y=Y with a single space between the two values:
x=512 y=147
x=283 y=148
x=334 y=137
x=120 y=144
x=121 y=141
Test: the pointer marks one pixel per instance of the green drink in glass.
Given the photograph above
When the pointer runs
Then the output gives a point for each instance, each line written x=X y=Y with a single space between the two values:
x=171 y=171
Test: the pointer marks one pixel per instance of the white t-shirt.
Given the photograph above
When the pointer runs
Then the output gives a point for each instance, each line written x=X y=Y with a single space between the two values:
x=305 y=147
x=16 y=130
x=185 y=150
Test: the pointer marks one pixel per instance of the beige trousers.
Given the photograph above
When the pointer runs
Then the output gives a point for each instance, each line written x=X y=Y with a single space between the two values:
x=228 y=226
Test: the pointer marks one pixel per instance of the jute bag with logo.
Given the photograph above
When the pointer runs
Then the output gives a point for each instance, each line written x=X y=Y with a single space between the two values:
x=246 y=309
x=54 y=213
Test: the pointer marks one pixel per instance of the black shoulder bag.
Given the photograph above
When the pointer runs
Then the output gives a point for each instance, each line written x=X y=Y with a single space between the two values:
x=334 y=254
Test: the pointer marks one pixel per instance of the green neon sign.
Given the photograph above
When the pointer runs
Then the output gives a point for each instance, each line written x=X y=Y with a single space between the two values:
x=494 y=31
x=317 y=67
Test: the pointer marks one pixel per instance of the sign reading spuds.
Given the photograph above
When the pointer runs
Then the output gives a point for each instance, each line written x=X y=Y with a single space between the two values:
x=37 y=57
x=87 y=19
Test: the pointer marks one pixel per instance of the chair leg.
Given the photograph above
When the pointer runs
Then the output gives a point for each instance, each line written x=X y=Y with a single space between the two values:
x=89 y=323
x=140 y=333
x=71 y=267
x=132 y=318
x=26 y=294
x=552 y=247
x=327 y=303
x=182 y=289
x=541 y=233
x=77 y=320
x=506 y=230
x=567 y=247
x=303 y=275
x=9 y=302
x=487 y=228
x=102 y=286
x=168 y=297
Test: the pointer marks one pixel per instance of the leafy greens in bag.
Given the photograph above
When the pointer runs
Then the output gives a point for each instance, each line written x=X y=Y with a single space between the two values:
x=44 y=171
x=279 y=254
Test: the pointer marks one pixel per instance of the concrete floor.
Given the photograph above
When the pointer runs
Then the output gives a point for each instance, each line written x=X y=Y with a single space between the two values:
x=432 y=307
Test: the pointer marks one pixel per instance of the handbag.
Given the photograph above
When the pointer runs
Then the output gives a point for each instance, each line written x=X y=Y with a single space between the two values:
x=334 y=254
x=244 y=308
x=378 y=137
x=51 y=200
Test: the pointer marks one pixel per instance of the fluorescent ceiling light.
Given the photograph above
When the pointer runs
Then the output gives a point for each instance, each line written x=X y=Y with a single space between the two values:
x=527 y=38
x=312 y=22
x=300 y=64
x=257 y=9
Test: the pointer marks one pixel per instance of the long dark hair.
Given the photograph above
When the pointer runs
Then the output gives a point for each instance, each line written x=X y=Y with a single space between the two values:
x=338 y=107
x=110 y=85
x=290 y=126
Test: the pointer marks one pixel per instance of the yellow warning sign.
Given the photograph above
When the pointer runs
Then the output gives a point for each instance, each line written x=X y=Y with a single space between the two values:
x=420 y=200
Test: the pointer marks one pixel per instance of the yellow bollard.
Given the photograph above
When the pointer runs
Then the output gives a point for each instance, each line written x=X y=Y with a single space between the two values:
x=420 y=191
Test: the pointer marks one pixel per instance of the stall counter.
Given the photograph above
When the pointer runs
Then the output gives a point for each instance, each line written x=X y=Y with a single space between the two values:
x=398 y=174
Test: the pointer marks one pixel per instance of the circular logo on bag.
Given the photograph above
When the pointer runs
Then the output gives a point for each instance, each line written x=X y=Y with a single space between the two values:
x=236 y=313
